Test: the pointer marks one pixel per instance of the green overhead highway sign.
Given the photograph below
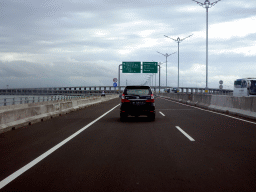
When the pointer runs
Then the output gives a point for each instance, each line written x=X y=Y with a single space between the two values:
x=149 y=67
x=131 y=67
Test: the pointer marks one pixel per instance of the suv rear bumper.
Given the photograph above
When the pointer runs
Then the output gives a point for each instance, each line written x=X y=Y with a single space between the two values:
x=128 y=109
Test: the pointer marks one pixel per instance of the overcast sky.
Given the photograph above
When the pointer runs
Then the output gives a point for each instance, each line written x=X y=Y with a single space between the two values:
x=80 y=43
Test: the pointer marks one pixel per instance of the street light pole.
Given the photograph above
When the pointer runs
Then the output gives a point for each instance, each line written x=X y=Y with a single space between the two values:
x=166 y=55
x=148 y=80
x=159 y=63
x=178 y=40
x=206 y=5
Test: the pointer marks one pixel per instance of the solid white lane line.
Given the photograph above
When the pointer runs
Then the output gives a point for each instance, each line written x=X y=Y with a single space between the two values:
x=161 y=113
x=221 y=114
x=41 y=157
x=184 y=133
x=214 y=112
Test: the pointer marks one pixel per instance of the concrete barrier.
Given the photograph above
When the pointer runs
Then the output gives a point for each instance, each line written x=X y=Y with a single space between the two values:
x=197 y=99
x=242 y=106
x=19 y=116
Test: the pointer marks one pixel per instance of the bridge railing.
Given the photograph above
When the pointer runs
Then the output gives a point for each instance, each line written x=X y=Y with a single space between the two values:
x=59 y=90
x=77 y=91
x=87 y=89
x=36 y=99
x=17 y=100
x=195 y=90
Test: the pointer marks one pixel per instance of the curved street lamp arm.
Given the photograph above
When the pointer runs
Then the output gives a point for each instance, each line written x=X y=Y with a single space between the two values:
x=214 y=3
x=186 y=37
x=161 y=53
x=198 y=3
x=171 y=53
x=170 y=38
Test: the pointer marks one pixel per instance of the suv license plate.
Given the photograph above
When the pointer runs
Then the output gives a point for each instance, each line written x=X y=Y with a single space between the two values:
x=139 y=103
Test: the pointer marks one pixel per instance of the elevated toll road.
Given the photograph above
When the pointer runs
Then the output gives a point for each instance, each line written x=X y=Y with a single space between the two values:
x=134 y=155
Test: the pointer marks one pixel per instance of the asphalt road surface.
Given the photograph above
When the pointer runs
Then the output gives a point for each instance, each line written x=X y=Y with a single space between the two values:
x=184 y=149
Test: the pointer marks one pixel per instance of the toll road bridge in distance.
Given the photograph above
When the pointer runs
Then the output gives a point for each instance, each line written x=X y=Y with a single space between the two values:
x=185 y=149
x=98 y=89
x=60 y=90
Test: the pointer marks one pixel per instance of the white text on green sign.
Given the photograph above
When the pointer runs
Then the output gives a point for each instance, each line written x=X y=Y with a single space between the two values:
x=149 y=67
x=131 y=67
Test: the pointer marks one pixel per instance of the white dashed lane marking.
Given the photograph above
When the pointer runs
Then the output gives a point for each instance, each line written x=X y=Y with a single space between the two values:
x=184 y=133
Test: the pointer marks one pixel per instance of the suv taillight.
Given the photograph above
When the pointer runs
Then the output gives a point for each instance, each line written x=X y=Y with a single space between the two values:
x=151 y=100
x=123 y=100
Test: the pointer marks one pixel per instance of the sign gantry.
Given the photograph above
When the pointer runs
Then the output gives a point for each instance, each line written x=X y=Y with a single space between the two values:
x=135 y=67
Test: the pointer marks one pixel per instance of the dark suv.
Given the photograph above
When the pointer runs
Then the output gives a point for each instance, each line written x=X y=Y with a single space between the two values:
x=136 y=101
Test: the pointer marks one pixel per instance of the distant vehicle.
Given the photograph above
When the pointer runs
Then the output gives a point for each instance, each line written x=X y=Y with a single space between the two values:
x=136 y=101
x=167 y=90
x=172 y=90
x=245 y=87
x=175 y=90
x=103 y=94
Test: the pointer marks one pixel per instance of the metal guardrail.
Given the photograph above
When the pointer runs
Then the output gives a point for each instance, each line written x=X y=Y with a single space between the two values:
x=59 y=90
x=36 y=99
x=26 y=100
x=47 y=94
x=92 y=90
x=196 y=90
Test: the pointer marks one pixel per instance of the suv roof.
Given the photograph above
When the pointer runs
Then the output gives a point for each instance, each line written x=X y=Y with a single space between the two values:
x=137 y=87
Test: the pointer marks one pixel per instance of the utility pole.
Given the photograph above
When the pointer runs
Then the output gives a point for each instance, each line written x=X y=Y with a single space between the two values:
x=178 y=40
x=166 y=55
x=207 y=5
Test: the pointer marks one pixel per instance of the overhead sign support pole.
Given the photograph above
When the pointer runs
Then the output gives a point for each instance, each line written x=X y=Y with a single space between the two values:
x=119 y=77
x=159 y=77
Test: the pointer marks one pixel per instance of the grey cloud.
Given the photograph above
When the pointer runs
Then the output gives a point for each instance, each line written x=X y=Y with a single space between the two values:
x=62 y=34
x=58 y=74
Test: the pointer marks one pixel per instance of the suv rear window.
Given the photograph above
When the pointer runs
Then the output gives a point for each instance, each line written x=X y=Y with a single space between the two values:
x=139 y=92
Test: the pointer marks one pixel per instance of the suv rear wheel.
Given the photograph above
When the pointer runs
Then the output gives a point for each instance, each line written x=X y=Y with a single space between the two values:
x=152 y=117
x=123 y=116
